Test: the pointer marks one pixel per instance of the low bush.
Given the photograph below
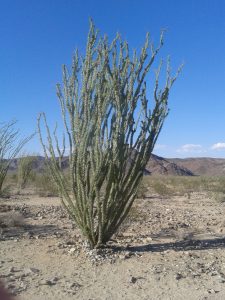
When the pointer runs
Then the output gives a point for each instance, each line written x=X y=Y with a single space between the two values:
x=44 y=184
x=25 y=168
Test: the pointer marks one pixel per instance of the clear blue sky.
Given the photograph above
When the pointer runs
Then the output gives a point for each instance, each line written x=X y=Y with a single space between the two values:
x=37 y=37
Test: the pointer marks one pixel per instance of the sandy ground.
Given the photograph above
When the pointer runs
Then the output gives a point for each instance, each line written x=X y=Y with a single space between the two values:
x=174 y=250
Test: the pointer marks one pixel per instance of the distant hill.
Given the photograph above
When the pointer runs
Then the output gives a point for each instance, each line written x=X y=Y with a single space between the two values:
x=202 y=165
x=38 y=165
x=156 y=166
x=161 y=166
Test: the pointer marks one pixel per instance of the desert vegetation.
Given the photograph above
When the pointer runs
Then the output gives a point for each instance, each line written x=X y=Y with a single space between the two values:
x=44 y=184
x=164 y=186
x=10 y=146
x=169 y=186
x=25 y=168
x=111 y=130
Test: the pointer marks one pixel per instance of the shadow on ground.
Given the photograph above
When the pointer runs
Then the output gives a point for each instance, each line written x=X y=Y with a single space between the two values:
x=31 y=231
x=185 y=245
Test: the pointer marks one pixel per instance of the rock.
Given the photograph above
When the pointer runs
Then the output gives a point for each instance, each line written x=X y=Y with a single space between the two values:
x=13 y=270
x=214 y=273
x=70 y=242
x=132 y=279
x=194 y=274
x=73 y=285
x=126 y=255
x=23 y=286
x=212 y=291
x=72 y=250
x=27 y=235
x=51 y=281
x=147 y=240
x=221 y=279
x=29 y=271
x=61 y=245
x=6 y=275
x=121 y=256
x=178 y=276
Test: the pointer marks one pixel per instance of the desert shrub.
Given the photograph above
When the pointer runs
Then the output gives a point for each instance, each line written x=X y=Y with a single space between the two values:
x=25 y=167
x=217 y=188
x=10 y=146
x=161 y=188
x=218 y=184
x=185 y=185
x=177 y=185
x=142 y=189
x=111 y=129
x=197 y=184
x=45 y=185
x=192 y=184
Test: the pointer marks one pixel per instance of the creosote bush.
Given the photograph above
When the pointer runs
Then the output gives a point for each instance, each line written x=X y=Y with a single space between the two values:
x=111 y=129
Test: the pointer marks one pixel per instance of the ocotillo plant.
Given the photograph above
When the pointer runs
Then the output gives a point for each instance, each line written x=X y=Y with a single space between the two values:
x=10 y=146
x=111 y=129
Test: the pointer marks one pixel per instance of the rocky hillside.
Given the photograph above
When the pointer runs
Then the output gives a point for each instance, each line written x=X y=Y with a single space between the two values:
x=156 y=166
x=202 y=166
x=161 y=166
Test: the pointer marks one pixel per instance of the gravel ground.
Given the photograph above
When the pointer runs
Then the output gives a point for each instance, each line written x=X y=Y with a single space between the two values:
x=169 y=248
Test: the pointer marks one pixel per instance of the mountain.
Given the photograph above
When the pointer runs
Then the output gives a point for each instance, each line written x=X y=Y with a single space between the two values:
x=156 y=166
x=202 y=165
x=161 y=166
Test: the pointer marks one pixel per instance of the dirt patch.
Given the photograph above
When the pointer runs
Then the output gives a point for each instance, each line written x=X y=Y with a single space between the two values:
x=169 y=248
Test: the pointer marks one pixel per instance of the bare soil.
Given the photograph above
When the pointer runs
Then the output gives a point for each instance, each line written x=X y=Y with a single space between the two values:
x=170 y=248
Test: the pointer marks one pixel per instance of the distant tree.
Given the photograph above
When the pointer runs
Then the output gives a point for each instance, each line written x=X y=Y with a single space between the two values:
x=111 y=130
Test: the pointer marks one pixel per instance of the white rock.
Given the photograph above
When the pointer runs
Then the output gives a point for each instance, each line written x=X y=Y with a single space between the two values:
x=72 y=250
